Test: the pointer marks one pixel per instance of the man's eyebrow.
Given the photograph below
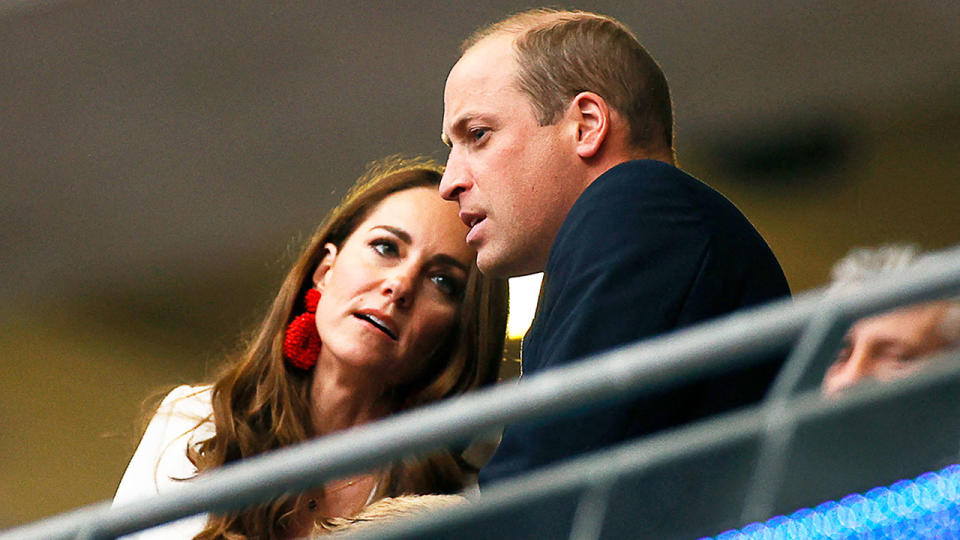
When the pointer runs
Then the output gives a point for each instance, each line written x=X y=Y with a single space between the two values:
x=399 y=233
x=458 y=127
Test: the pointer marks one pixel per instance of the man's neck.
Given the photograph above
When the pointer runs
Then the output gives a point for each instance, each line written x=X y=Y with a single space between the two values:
x=616 y=151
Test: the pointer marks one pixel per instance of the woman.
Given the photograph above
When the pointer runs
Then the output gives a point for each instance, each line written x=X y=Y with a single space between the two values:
x=383 y=311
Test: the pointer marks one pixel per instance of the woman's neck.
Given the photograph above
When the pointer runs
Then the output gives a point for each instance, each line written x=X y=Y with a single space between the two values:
x=342 y=398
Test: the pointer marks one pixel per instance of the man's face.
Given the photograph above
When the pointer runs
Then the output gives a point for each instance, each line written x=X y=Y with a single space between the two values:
x=511 y=177
x=888 y=346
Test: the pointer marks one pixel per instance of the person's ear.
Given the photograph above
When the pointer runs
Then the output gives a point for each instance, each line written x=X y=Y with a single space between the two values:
x=592 y=116
x=323 y=269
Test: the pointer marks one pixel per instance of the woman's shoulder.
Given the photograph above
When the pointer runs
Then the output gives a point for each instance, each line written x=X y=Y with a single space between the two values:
x=188 y=400
x=160 y=462
x=186 y=413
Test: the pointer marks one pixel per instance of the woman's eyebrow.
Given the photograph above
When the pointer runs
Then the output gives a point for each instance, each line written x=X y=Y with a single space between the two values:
x=450 y=261
x=399 y=233
x=441 y=258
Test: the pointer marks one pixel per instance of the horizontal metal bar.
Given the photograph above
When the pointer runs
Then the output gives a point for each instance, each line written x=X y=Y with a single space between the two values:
x=718 y=346
x=604 y=467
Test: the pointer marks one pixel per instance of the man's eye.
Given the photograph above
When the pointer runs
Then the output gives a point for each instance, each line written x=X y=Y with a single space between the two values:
x=478 y=133
x=447 y=284
x=385 y=248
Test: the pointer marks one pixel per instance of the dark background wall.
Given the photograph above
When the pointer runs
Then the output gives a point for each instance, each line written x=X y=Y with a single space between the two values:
x=160 y=161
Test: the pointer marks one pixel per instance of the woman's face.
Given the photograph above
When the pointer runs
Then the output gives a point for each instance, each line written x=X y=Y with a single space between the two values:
x=393 y=290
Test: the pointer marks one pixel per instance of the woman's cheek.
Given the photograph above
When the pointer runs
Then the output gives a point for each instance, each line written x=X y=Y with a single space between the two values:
x=435 y=331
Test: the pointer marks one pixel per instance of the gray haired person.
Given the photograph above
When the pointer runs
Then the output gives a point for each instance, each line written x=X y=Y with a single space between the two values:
x=894 y=344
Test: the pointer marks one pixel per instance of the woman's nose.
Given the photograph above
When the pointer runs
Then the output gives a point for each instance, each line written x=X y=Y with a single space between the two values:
x=399 y=287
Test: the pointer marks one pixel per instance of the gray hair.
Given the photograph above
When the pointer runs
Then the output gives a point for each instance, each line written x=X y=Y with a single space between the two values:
x=863 y=264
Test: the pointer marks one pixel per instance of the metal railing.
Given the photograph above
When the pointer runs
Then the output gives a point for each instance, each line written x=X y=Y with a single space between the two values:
x=815 y=321
x=698 y=480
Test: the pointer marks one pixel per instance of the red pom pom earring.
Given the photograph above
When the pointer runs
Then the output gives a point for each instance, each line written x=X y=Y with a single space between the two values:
x=301 y=343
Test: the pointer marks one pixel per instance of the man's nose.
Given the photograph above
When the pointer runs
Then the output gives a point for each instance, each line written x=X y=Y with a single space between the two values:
x=454 y=180
x=848 y=373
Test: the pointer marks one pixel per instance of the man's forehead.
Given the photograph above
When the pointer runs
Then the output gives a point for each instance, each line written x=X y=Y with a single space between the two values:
x=490 y=59
x=499 y=44
x=477 y=81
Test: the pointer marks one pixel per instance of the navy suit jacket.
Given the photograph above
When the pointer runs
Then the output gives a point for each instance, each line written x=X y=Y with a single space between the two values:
x=646 y=249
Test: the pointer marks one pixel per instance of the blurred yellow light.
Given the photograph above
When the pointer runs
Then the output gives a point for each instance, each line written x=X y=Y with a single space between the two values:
x=523 y=303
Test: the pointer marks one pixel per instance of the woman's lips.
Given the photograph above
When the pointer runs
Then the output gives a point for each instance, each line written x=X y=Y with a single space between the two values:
x=379 y=321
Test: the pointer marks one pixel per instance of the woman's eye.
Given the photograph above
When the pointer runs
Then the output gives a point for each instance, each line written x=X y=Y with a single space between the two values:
x=447 y=284
x=904 y=359
x=385 y=248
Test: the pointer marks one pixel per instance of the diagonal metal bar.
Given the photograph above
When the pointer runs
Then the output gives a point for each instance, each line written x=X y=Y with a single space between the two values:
x=591 y=509
x=822 y=338
x=604 y=467
x=719 y=346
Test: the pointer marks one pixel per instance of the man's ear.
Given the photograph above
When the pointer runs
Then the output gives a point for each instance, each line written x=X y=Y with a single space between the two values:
x=592 y=116
x=323 y=269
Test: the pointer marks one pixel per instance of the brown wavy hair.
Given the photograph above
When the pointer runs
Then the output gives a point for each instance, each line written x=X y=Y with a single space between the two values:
x=260 y=404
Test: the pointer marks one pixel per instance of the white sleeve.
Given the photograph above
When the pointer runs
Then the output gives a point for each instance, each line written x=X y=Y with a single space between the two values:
x=160 y=462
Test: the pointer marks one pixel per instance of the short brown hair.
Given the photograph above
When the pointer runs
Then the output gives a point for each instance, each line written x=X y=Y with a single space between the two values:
x=563 y=53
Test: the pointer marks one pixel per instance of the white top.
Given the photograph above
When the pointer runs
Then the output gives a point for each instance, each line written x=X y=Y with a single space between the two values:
x=160 y=463
x=161 y=458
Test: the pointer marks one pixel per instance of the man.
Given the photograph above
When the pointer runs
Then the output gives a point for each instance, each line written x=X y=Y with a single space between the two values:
x=894 y=344
x=561 y=158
